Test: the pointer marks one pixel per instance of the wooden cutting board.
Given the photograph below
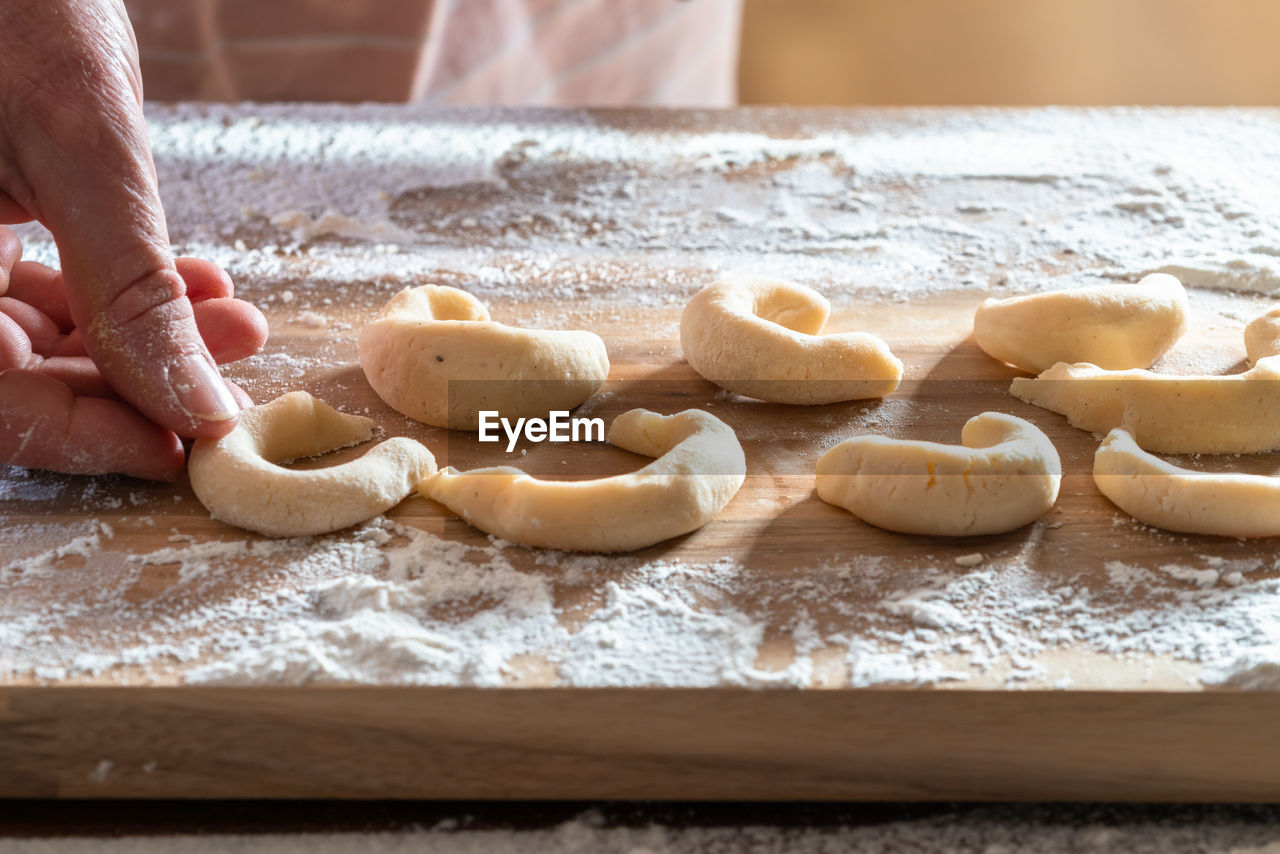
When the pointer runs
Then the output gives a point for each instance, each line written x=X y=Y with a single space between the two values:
x=1125 y=728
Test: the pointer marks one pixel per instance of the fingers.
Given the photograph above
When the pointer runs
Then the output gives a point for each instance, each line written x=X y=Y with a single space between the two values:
x=42 y=333
x=77 y=373
x=15 y=346
x=30 y=340
x=10 y=252
x=231 y=328
x=42 y=287
x=80 y=148
x=204 y=279
x=241 y=396
x=43 y=425
x=142 y=334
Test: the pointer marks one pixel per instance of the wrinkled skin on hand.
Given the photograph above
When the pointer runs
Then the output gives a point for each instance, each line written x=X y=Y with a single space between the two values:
x=57 y=410
x=74 y=156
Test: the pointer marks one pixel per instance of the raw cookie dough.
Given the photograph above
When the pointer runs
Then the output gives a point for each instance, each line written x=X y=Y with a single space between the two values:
x=1236 y=414
x=236 y=477
x=1165 y=496
x=759 y=337
x=1112 y=326
x=1006 y=475
x=699 y=468
x=433 y=354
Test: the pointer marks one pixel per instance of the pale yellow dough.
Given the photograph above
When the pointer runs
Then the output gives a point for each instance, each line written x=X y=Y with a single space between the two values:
x=699 y=468
x=1006 y=475
x=1236 y=414
x=1165 y=496
x=759 y=337
x=434 y=355
x=1112 y=326
x=236 y=477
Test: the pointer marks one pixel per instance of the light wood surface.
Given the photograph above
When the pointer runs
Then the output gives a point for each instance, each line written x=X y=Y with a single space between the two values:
x=1130 y=728
x=1147 y=738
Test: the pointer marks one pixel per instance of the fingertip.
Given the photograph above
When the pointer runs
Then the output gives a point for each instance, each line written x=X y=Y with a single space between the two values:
x=205 y=279
x=146 y=343
x=212 y=429
x=10 y=255
x=232 y=329
x=43 y=333
x=218 y=429
x=15 y=346
x=241 y=396
x=210 y=410
x=44 y=288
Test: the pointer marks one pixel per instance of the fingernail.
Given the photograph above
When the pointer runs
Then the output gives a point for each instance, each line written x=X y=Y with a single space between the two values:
x=200 y=390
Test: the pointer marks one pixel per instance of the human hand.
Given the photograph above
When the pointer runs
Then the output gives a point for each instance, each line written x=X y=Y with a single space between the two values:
x=74 y=156
x=57 y=411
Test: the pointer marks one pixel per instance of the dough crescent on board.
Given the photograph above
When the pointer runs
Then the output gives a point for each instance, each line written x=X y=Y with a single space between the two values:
x=434 y=355
x=1112 y=326
x=1006 y=475
x=700 y=467
x=1236 y=414
x=1163 y=495
x=238 y=480
x=760 y=337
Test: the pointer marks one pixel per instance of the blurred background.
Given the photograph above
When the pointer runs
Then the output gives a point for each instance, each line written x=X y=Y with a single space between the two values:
x=713 y=52
x=1010 y=52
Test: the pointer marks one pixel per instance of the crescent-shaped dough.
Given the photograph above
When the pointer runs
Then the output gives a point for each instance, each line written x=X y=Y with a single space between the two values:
x=236 y=477
x=759 y=337
x=1006 y=475
x=1112 y=326
x=699 y=468
x=434 y=355
x=1236 y=414
x=1165 y=496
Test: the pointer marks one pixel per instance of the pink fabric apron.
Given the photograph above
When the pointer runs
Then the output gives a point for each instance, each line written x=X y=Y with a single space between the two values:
x=548 y=52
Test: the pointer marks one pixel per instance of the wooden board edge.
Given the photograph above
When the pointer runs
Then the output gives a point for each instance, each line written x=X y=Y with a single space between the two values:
x=677 y=744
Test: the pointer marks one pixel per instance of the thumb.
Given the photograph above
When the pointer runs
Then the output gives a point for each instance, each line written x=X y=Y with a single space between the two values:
x=83 y=153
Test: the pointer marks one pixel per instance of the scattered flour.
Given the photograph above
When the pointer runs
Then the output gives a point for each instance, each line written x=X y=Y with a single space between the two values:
x=389 y=603
x=404 y=625
x=1248 y=272
x=956 y=829
x=892 y=203
x=1256 y=670
x=303 y=228
x=101 y=771
x=345 y=205
x=84 y=546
